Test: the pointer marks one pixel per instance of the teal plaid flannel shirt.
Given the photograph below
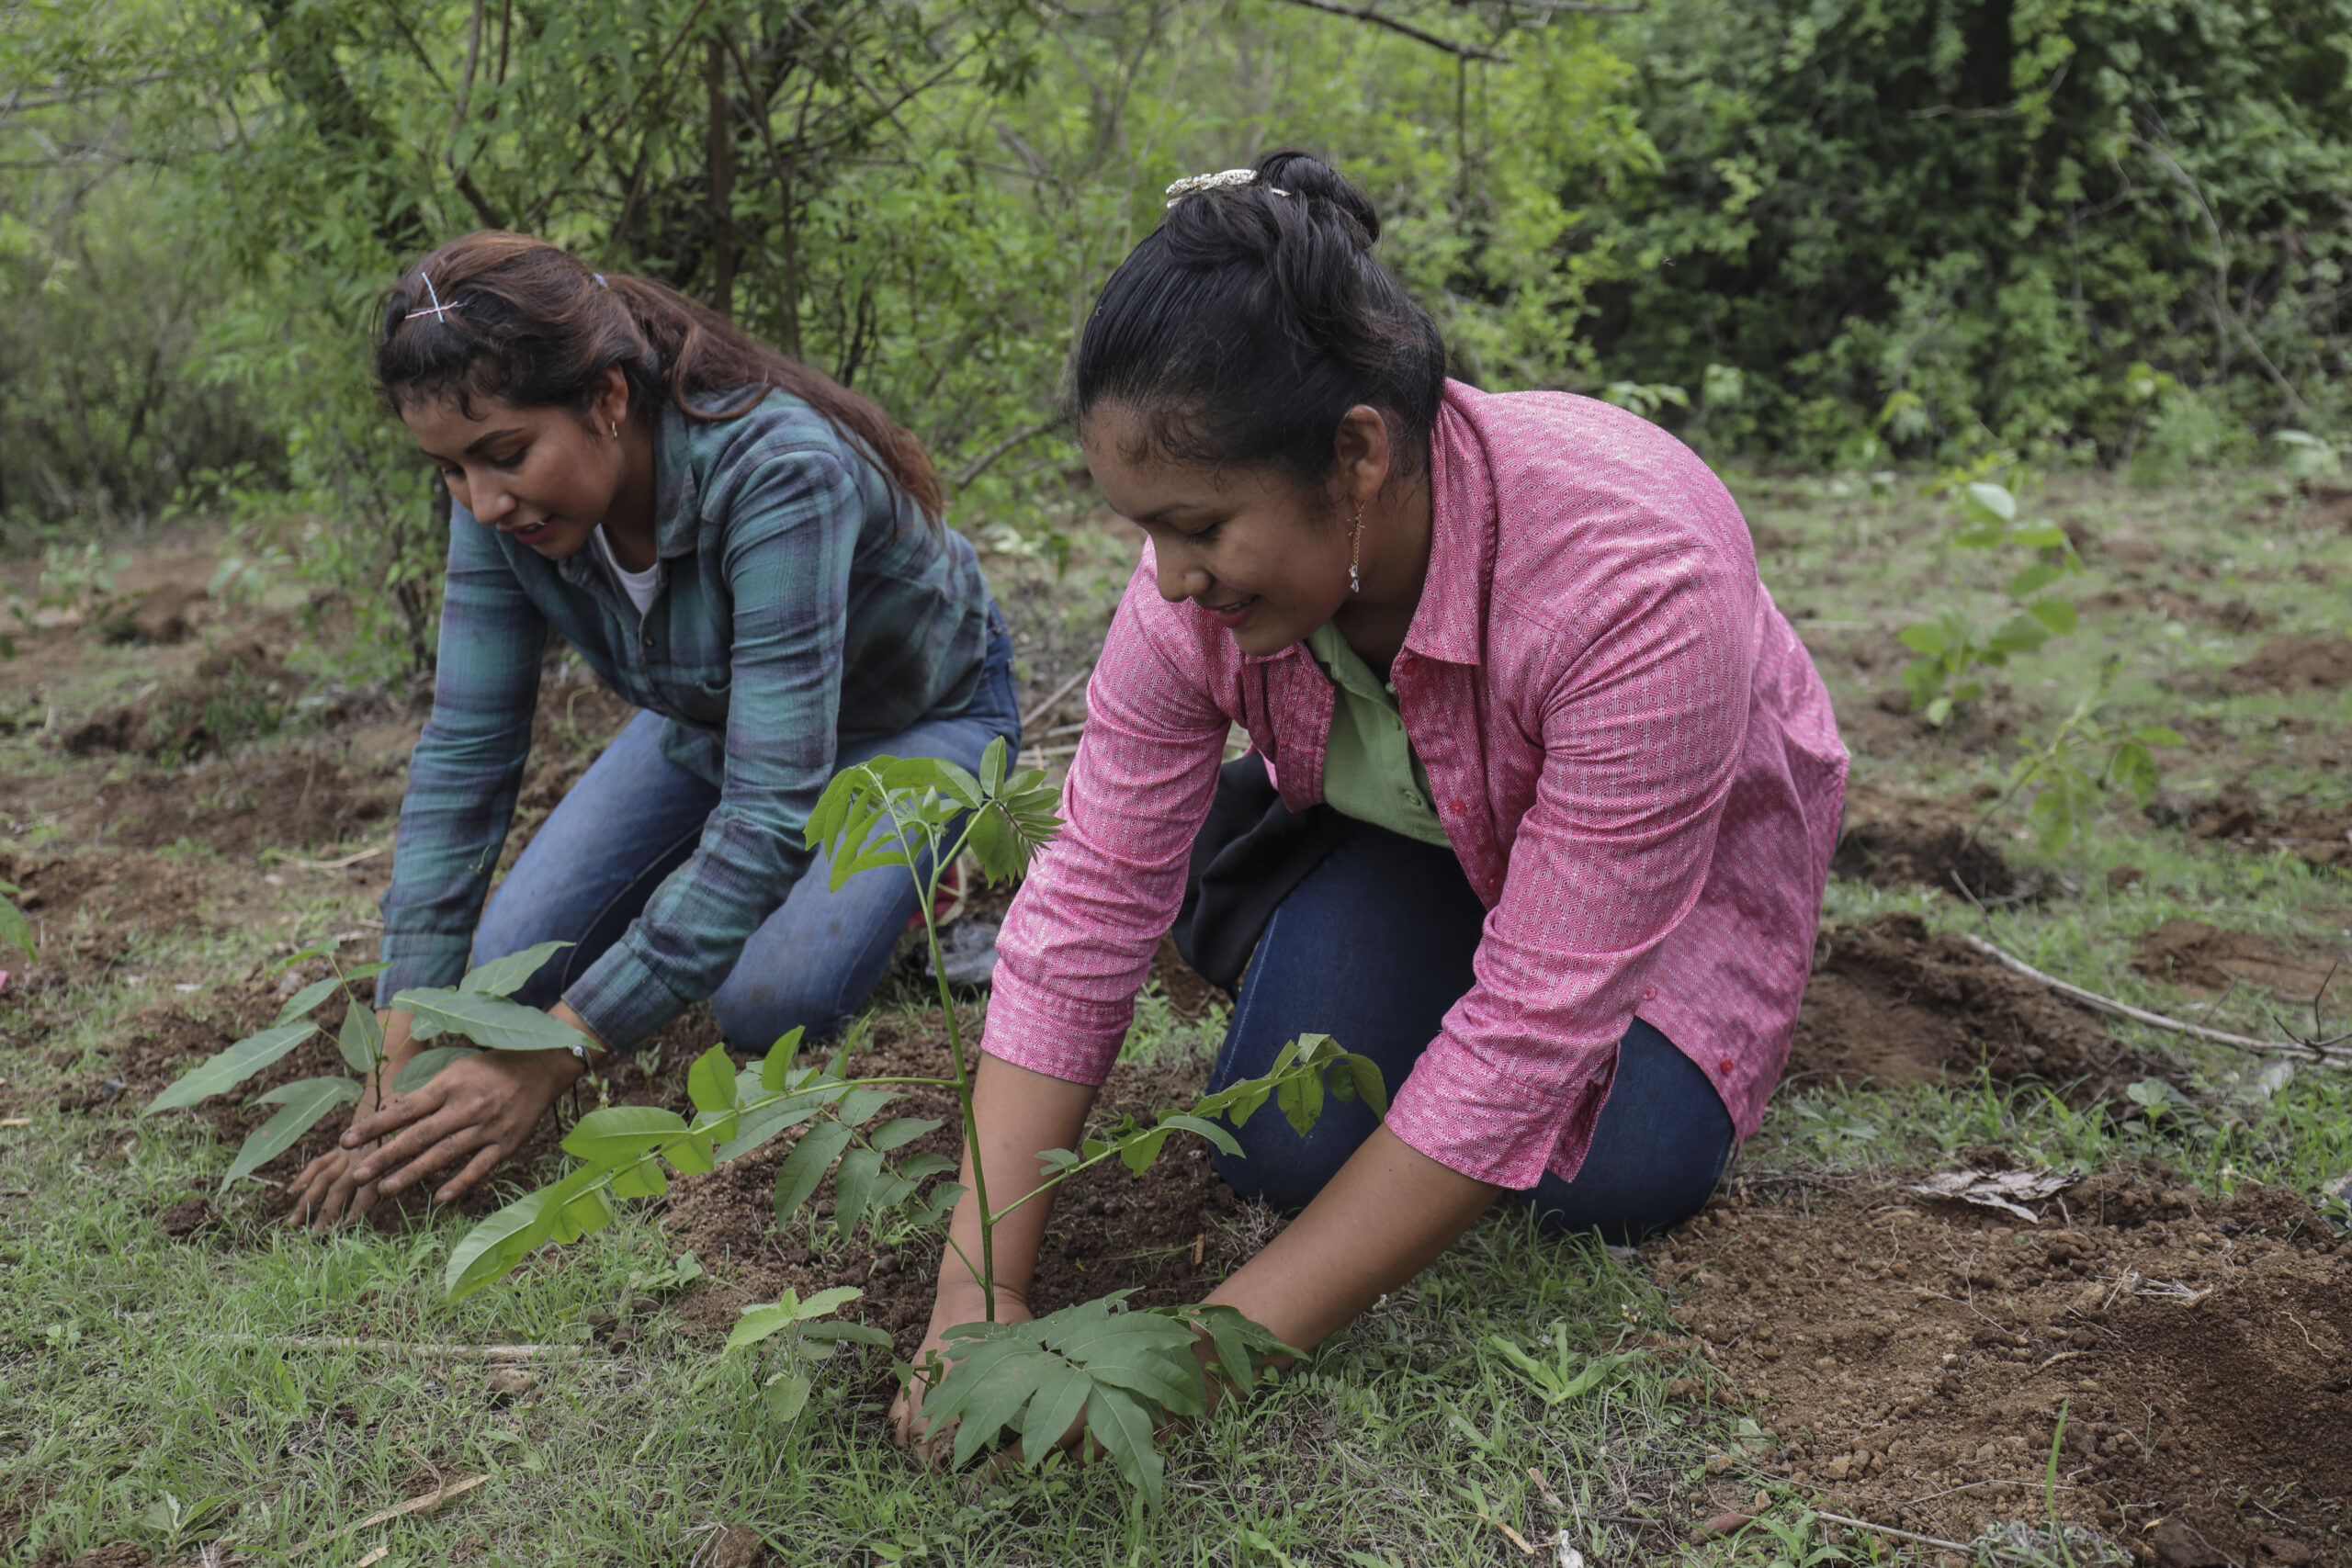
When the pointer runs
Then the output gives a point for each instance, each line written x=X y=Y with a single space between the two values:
x=803 y=598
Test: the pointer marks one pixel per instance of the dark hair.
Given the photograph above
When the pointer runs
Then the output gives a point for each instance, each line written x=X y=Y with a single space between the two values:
x=1253 y=319
x=533 y=325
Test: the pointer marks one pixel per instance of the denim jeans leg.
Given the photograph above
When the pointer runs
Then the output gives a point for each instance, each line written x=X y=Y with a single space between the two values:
x=816 y=960
x=1371 y=948
x=632 y=819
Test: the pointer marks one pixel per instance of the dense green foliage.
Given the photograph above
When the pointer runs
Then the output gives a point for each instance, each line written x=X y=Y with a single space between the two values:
x=1942 y=223
x=1843 y=230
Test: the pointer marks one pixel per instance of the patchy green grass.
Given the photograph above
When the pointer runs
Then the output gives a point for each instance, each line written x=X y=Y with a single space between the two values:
x=149 y=1391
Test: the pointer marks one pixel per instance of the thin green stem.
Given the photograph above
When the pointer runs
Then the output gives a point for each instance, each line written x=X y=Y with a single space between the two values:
x=926 y=893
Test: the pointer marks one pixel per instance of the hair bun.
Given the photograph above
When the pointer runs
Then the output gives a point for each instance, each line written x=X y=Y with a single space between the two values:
x=1311 y=180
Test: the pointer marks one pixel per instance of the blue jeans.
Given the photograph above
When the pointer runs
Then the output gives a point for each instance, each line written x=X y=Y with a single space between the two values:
x=635 y=816
x=1372 y=949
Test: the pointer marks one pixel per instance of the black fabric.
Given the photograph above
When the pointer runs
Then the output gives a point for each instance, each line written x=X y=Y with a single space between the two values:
x=1251 y=852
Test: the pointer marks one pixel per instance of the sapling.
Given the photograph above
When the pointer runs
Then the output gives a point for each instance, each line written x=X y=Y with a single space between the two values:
x=1114 y=1373
x=1953 y=648
x=476 y=1009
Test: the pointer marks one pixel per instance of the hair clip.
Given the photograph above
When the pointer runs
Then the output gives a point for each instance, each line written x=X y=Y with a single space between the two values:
x=1228 y=179
x=438 y=308
x=600 y=280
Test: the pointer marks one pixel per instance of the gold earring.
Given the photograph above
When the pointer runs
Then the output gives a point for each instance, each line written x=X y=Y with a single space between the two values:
x=614 y=430
x=1355 y=541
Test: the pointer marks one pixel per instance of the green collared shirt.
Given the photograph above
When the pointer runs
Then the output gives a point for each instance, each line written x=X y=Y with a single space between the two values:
x=1369 y=770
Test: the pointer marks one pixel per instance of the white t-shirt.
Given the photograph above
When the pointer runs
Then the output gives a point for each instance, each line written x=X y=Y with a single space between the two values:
x=640 y=586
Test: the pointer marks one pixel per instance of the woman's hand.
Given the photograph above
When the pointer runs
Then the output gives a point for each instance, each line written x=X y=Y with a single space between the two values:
x=479 y=1110
x=960 y=1301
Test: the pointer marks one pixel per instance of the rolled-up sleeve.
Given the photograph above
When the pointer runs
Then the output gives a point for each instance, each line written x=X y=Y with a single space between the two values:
x=788 y=572
x=1079 y=937
x=468 y=765
x=1642 y=727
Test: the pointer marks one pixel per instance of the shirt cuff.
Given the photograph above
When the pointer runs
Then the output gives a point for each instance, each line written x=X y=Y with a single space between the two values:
x=621 y=998
x=1022 y=1028
x=1488 y=1126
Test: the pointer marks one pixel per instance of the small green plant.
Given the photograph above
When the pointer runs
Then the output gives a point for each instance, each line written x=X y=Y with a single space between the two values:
x=476 y=1009
x=1563 y=1374
x=1953 y=648
x=1792 y=1541
x=1115 y=1373
x=15 y=929
x=2071 y=771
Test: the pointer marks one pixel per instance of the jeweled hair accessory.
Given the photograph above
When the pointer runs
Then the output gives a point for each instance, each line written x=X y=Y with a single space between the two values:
x=437 y=307
x=1227 y=179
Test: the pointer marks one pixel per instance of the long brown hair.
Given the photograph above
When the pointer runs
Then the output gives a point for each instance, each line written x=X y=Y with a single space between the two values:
x=506 y=316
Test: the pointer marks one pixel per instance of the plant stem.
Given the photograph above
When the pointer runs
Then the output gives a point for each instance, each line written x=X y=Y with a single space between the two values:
x=927 y=891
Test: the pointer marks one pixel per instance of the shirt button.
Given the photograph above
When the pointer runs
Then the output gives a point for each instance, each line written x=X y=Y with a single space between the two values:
x=1725 y=1064
x=649 y=639
x=1649 y=993
x=1412 y=798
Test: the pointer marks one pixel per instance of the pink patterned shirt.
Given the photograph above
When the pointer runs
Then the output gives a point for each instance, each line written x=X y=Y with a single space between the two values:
x=1631 y=752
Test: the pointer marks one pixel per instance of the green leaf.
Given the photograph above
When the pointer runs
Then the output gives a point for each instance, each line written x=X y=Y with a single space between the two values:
x=1301 y=1098
x=1124 y=1426
x=2058 y=615
x=776 y=1069
x=1372 y=1088
x=419 y=1069
x=900 y=1130
x=504 y=977
x=18 y=931
x=620 y=1133
x=692 y=1155
x=2157 y=734
x=862 y=1105
x=1925 y=637
x=485 y=1020
x=992 y=761
x=306 y=999
x=1055 y=1404
x=856 y=1333
x=361 y=1041
x=2033 y=580
x=231 y=1066
x=711 y=1082
x=787 y=1394
x=852 y=1187
x=1215 y=1133
x=493 y=1249
x=640 y=1179
x=304 y=1104
x=995 y=843
x=1989 y=502
x=758 y=1126
x=2022 y=634
x=803 y=1171
x=2040 y=536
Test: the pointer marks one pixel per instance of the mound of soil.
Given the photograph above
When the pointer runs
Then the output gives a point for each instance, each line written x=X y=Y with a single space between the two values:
x=1172 y=1235
x=1913 y=1357
x=2319 y=835
x=2192 y=953
x=1940 y=855
x=237 y=694
x=1891 y=1003
x=2290 y=664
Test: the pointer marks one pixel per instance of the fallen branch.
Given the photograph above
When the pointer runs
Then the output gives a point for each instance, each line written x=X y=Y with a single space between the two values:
x=2332 y=1056
x=350 y=859
x=403 y=1348
x=424 y=1504
x=1890 y=1530
x=1042 y=709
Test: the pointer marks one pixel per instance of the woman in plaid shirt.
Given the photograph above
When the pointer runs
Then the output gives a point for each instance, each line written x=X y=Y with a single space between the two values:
x=746 y=551
x=1542 y=789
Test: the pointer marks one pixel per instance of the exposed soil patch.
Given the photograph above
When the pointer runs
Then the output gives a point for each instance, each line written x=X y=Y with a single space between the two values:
x=2320 y=835
x=2291 y=664
x=1891 y=1003
x=1913 y=1357
x=237 y=693
x=1900 y=853
x=1172 y=1232
x=2192 y=953
x=2231 y=614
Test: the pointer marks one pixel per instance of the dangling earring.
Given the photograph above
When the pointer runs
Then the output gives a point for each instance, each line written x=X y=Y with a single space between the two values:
x=614 y=430
x=1355 y=542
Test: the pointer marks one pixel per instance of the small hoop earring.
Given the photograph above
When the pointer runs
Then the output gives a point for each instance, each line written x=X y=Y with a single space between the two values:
x=1355 y=542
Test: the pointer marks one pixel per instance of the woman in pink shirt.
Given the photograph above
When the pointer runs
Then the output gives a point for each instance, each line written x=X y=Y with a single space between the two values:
x=1542 y=793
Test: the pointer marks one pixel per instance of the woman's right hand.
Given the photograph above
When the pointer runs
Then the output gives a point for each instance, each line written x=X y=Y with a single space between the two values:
x=959 y=1301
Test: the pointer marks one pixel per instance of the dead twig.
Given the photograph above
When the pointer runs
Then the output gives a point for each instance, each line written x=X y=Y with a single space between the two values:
x=424 y=1504
x=1042 y=709
x=2318 y=1050
x=1890 y=1530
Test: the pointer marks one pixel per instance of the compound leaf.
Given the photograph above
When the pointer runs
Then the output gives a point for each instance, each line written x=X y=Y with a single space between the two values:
x=803 y=1171
x=419 y=1069
x=303 y=1001
x=485 y=1020
x=900 y=1131
x=1123 y=1425
x=620 y=1133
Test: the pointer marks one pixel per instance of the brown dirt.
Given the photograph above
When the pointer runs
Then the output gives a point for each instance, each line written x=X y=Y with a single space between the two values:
x=2170 y=604
x=2321 y=835
x=1901 y=853
x=2192 y=953
x=237 y=693
x=1173 y=1234
x=1912 y=1355
x=1891 y=1003
x=2290 y=664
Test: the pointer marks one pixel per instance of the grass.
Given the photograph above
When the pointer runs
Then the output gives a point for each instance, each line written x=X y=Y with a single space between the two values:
x=125 y=1417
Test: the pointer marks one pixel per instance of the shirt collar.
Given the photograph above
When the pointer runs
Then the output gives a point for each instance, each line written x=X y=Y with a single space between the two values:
x=1449 y=624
